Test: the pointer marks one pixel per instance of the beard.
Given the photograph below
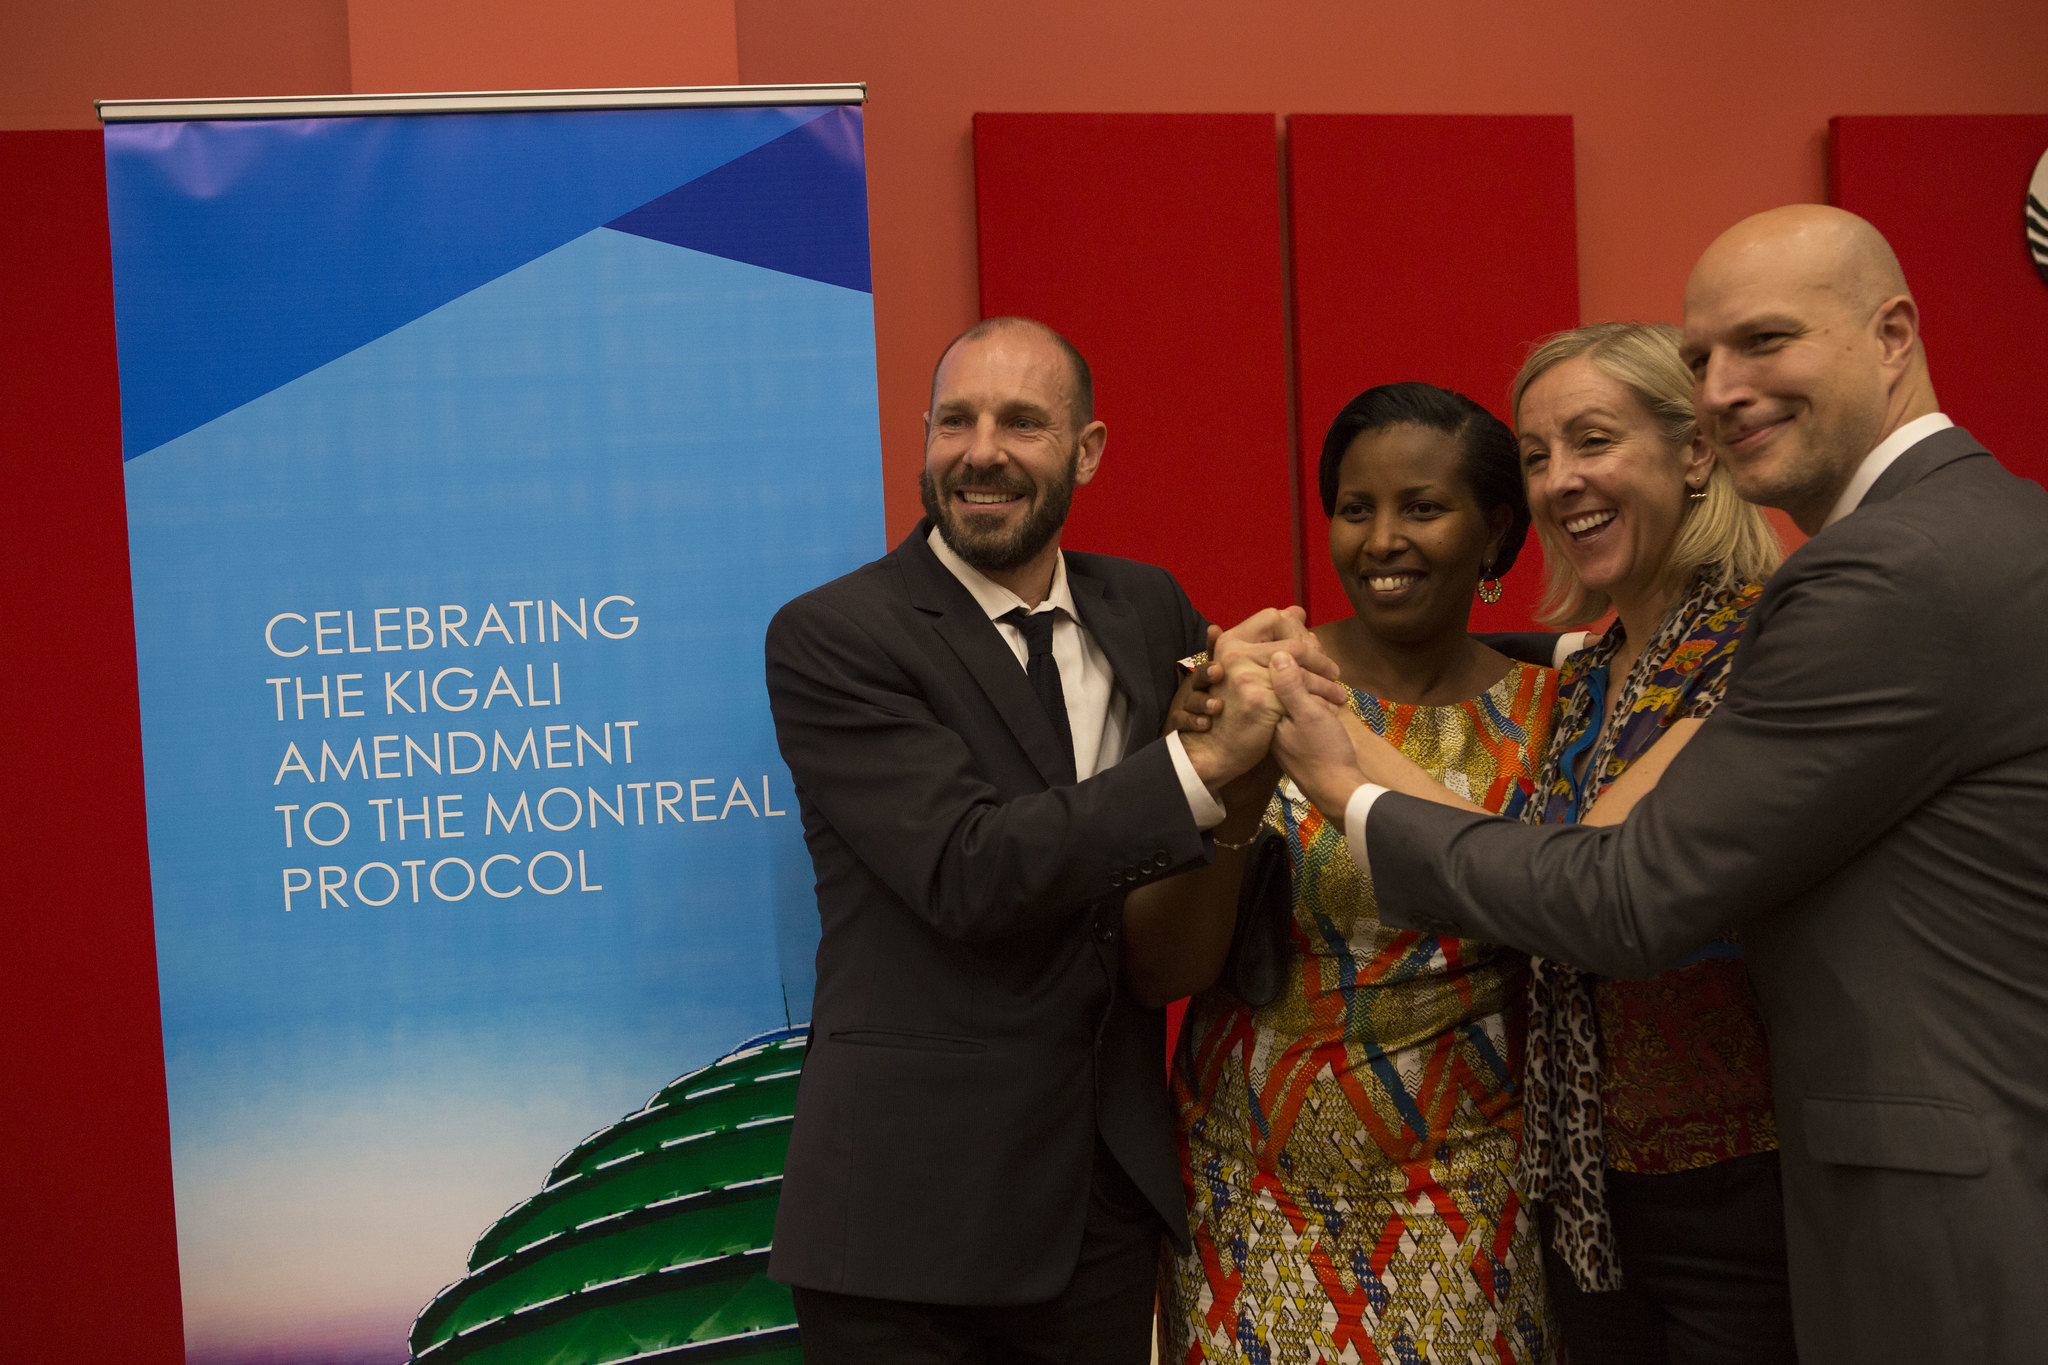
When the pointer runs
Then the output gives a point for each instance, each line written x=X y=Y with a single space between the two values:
x=1808 y=467
x=996 y=549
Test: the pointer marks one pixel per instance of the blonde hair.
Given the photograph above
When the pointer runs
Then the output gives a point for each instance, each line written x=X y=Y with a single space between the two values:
x=1719 y=535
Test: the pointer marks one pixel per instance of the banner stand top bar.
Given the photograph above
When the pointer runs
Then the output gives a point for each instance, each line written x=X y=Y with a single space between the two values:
x=487 y=101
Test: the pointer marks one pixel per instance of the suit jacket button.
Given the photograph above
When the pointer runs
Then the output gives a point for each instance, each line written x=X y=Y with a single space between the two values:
x=1105 y=928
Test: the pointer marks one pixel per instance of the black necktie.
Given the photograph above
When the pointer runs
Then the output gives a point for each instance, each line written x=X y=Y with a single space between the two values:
x=1044 y=673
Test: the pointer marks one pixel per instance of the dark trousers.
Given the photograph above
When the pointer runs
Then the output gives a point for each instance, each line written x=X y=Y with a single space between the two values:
x=1102 y=1317
x=1703 y=1266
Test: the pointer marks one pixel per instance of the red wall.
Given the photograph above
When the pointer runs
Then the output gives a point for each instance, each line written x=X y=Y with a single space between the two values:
x=1948 y=193
x=1412 y=246
x=1168 y=276
x=1426 y=247
x=56 y=59
x=1685 y=118
x=539 y=44
x=88 y=1264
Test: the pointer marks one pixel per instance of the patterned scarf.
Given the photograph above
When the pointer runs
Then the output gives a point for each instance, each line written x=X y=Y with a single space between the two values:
x=1563 y=1154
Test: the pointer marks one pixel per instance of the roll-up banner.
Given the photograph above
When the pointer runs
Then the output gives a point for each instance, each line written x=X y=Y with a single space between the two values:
x=471 y=441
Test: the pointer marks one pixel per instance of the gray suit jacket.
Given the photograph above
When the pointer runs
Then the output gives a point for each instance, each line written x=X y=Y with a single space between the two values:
x=1869 y=807
x=969 y=1039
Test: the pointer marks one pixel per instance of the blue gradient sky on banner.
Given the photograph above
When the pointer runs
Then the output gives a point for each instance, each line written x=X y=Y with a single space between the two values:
x=563 y=503
x=249 y=252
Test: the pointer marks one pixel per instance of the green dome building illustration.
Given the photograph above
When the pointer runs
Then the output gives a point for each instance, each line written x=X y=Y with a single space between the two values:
x=649 y=1241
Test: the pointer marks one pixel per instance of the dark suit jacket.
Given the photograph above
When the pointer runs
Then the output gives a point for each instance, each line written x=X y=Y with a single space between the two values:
x=1869 y=806
x=969 y=1038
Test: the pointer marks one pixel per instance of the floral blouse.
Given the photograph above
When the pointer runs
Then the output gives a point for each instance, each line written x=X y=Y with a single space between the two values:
x=1678 y=1061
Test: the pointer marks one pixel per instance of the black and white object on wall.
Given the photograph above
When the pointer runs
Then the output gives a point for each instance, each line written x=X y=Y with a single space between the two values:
x=2037 y=217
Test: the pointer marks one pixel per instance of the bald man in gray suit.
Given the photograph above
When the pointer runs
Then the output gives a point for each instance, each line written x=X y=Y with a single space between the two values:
x=1868 y=807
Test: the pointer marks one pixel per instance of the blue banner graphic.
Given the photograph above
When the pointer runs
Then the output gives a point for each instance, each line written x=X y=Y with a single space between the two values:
x=467 y=457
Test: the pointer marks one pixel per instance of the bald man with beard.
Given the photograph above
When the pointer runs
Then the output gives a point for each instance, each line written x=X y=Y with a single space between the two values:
x=1868 y=809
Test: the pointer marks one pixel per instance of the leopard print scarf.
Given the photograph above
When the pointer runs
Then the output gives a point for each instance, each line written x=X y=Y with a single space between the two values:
x=1563 y=1153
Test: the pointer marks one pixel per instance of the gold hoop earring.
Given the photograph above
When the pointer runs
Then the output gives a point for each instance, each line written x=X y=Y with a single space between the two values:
x=1489 y=590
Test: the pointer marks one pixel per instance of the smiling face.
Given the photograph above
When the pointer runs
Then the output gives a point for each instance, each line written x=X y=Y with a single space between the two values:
x=1003 y=450
x=1408 y=537
x=1607 y=488
x=1792 y=373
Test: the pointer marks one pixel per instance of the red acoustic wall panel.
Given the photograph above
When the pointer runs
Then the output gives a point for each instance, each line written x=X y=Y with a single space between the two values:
x=1153 y=242
x=1949 y=193
x=1432 y=247
x=88 y=1265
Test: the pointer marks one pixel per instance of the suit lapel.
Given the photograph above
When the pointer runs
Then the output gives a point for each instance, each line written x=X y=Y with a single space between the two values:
x=1915 y=463
x=1919 y=460
x=975 y=641
x=1116 y=628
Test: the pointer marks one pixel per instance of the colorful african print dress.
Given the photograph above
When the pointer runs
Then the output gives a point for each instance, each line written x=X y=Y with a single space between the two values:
x=1348 y=1150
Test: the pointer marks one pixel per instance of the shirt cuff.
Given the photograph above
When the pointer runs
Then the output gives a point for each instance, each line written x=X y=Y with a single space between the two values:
x=1207 y=810
x=1355 y=811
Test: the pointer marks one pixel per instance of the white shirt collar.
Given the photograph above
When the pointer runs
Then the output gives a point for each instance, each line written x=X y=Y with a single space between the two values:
x=1880 y=459
x=993 y=597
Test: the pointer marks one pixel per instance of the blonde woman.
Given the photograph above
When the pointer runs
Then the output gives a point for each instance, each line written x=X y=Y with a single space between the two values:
x=1648 y=1135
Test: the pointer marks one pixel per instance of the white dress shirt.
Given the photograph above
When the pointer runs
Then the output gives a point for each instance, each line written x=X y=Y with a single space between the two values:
x=1097 y=713
x=1880 y=459
x=1568 y=644
x=1875 y=463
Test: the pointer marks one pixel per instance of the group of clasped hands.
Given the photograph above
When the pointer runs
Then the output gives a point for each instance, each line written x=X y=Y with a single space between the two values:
x=1269 y=676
